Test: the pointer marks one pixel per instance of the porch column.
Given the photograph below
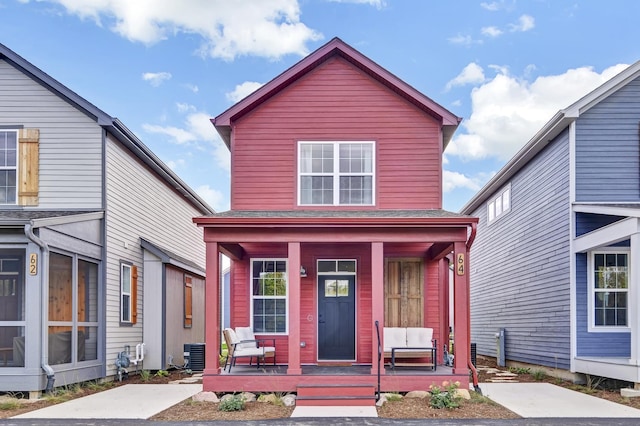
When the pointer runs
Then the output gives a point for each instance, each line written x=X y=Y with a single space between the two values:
x=294 y=309
x=634 y=297
x=212 y=310
x=461 y=308
x=377 y=302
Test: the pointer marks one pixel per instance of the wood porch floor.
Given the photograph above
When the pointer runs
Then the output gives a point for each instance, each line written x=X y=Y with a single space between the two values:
x=275 y=378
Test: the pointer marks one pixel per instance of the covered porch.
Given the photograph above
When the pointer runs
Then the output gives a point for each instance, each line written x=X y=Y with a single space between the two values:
x=361 y=244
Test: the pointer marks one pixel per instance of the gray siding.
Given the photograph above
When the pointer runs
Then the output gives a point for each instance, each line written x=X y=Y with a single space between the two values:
x=608 y=148
x=70 y=141
x=140 y=205
x=176 y=334
x=520 y=265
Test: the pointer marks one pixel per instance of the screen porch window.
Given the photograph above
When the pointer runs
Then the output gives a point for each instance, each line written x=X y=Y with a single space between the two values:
x=269 y=296
x=336 y=173
x=610 y=289
x=8 y=166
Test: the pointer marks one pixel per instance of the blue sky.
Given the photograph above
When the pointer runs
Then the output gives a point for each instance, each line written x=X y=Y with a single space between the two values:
x=165 y=67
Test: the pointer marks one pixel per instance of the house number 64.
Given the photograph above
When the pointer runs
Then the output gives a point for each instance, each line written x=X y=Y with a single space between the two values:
x=460 y=264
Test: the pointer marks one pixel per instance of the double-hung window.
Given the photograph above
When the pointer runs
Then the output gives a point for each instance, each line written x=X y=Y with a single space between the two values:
x=8 y=166
x=610 y=289
x=336 y=173
x=269 y=295
x=128 y=293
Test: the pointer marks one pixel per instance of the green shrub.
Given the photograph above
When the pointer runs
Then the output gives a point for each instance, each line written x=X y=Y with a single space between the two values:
x=520 y=370
x=235 y=403
x=9 y=405
x=162 y=373
x=447 y=397
x=393 y=397
x=145 y=375
x=539 y=375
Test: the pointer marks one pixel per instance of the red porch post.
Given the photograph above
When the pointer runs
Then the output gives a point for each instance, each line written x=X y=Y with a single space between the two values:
x=212 y=311
x=461 y=308
x=377 y=302
x=294 y=309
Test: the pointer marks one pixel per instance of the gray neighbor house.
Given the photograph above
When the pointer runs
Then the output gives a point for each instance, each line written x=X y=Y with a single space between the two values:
x=556 y=261
x=98 y=251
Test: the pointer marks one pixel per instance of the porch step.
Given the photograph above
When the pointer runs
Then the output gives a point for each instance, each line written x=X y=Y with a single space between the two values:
x=338 y=395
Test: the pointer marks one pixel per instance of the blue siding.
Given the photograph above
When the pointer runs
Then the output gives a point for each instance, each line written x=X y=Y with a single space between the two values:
x=587 y=222
x=520 y=265
x=594 y=344
x=608 y=149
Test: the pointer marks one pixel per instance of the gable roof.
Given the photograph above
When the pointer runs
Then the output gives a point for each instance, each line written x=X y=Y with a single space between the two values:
x=110 y=124
x=558 y=123
x=336 y=47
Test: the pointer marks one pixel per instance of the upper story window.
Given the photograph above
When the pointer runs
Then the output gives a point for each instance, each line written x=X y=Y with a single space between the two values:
x=500 y=204
x=610 y=289
x=336 y=173
x=8 y=166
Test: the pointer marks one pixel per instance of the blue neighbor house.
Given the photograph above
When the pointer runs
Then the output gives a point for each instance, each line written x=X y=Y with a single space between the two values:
x=556 y=261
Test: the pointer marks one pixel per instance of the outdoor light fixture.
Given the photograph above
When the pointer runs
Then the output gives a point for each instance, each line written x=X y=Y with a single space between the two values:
x=303 y=272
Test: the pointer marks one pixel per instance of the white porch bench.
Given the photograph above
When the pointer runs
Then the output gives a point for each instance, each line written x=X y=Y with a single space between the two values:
x=410 y=342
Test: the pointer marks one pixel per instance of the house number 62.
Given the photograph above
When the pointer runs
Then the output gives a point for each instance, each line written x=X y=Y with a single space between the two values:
x=33 y=264
x=460 y=264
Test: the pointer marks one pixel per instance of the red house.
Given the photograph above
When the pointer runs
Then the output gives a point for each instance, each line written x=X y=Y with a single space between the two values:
x=336 y=199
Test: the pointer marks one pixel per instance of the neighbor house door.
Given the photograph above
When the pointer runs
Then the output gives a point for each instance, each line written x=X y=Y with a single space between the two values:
x=336 y=318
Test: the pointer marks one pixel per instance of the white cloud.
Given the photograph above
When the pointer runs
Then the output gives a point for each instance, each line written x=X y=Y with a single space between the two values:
x=176 y=164
x=464 y=40
x=507 y=111
x=191 y=87
x=156 y=78
x=213 y=197
x=452 y=180
x=378 y=4
x=493 y=6
x=197 y=131
x=266 y=28
x=243 y=90
x=491 y=31
x=525 y=23
x=182 y=107
x=471 y=74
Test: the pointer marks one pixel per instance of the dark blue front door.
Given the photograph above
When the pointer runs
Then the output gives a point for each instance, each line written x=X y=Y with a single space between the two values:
x=336 y=317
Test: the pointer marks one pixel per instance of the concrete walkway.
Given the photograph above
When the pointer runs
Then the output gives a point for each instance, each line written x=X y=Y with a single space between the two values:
x=123 y=402
x=531 y=400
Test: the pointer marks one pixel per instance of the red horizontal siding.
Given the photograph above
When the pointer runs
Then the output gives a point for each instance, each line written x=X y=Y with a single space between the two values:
x=336 y=102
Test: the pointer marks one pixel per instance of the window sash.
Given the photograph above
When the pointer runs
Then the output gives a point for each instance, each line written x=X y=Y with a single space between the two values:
x=125 y=294
x=269 y=296
x=336 y=173
x=609 y=275
x=8 y=166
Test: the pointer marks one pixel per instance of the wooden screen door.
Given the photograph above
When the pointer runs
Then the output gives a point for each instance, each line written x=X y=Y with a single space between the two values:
x=336 y=317
x=403 y=293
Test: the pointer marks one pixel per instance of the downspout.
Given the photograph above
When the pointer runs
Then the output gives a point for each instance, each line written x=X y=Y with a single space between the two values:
x=44 y=290
x=474 y=372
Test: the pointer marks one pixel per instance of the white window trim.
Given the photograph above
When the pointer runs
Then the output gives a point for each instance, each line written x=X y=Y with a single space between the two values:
x=15 y=167
x=491 y=204
x=592 y=328
x=123 y=293
x=336 y=173
x=252 y=297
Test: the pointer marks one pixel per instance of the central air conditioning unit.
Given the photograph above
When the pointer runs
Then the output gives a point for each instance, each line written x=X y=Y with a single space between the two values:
x=194 y=356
